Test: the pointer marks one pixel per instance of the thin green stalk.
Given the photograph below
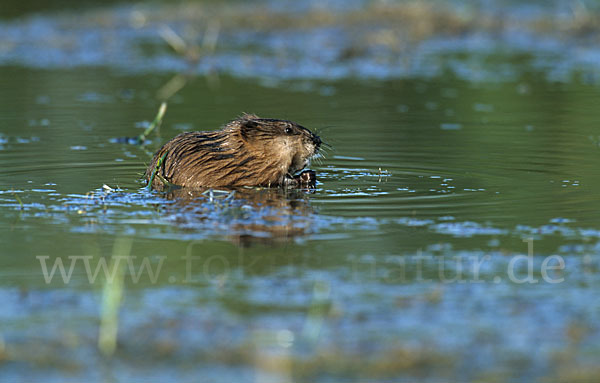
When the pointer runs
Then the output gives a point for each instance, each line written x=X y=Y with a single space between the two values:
x=155 y=170
x=18 y=199
x=155 y=124
x=112 y=295
x=166 y=183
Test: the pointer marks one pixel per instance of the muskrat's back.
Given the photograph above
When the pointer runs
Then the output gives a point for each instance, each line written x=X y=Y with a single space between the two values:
x=248 y=151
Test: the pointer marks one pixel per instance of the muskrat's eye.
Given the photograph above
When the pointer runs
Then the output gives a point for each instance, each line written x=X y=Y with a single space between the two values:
x=288 y=130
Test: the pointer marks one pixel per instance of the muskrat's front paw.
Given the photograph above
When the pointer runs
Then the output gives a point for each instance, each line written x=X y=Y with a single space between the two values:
x=306 y=178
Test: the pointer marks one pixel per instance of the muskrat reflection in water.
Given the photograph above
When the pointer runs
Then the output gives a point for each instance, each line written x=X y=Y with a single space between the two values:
x=248 y=151
x=245 y=216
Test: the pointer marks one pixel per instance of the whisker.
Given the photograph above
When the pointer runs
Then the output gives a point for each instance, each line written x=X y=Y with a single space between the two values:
x=325 y=150
x=326 y=145
x=319 y=131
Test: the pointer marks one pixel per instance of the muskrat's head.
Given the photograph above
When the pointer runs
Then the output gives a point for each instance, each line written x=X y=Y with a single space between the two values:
x=289 y=145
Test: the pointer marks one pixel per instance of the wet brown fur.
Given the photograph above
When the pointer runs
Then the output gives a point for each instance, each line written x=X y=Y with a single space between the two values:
x=248 y=151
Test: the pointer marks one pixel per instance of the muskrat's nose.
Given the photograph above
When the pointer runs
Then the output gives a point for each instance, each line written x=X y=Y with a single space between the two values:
x=316 y=140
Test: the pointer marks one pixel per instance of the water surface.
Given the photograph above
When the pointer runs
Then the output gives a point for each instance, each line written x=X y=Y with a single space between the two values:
x=408 y=261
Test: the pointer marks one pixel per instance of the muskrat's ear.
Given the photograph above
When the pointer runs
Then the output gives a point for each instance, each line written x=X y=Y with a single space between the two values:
x=248 y=128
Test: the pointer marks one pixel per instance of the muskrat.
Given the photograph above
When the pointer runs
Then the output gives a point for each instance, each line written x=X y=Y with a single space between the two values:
x=248 y=151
